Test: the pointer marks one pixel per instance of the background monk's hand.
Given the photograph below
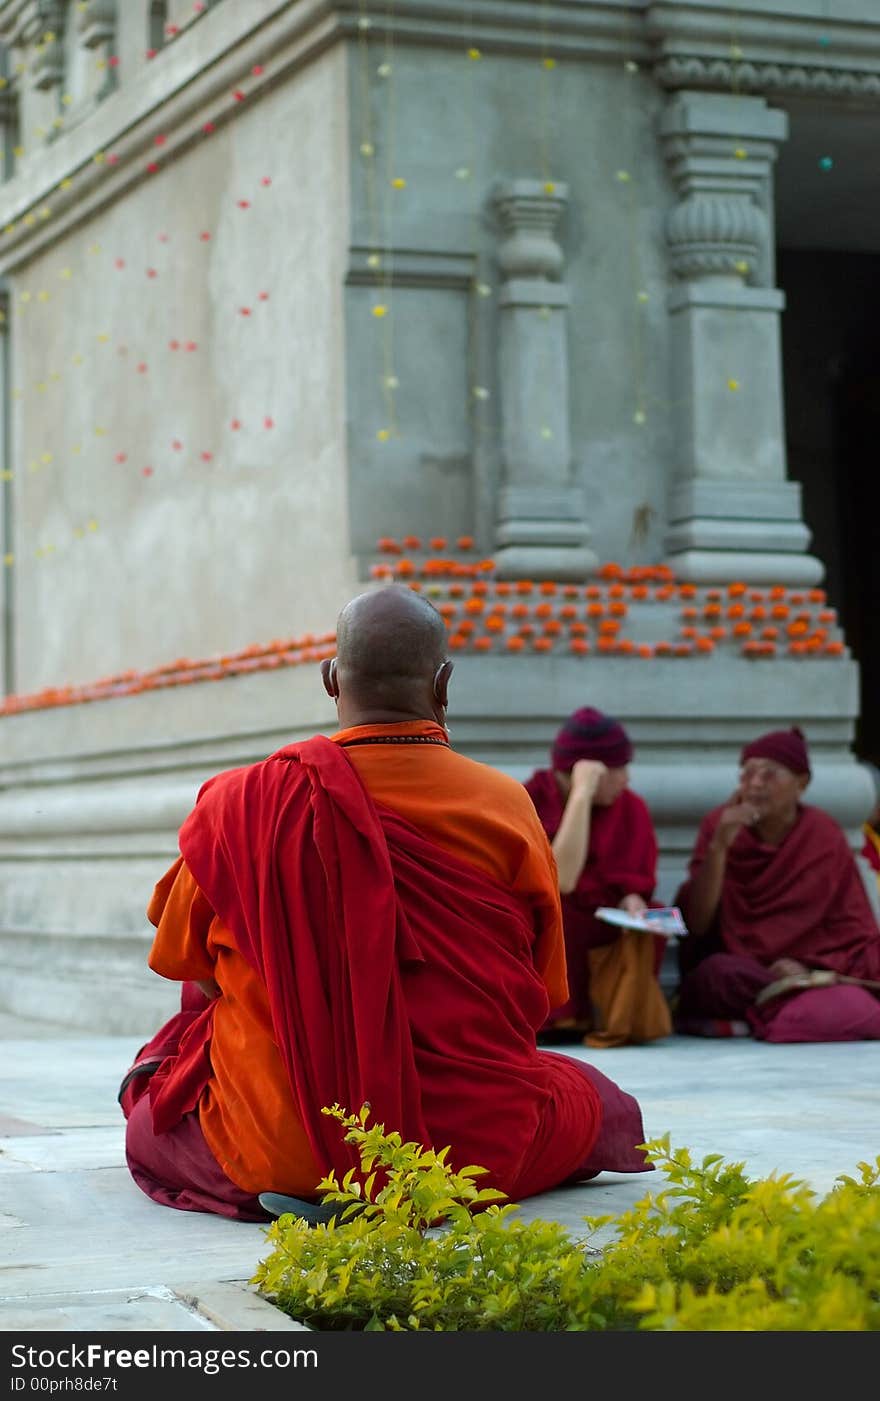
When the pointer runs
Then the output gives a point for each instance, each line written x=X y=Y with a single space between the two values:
x=788 y=968
x=586 y=775
x=633 y=904
x=734 y=816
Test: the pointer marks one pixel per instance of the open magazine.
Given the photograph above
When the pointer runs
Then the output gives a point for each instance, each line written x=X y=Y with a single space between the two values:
x=667 y=920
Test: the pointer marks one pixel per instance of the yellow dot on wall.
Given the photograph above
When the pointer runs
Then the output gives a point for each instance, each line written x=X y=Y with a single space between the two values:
x=640 y=417
x=3 y=82
x=47 y=458
x=100 y=431
x=103 y=338
x=740 y=152
x=67 y=99
x=380 y=311
x=42 y=296
x=480 y=392
x=26 y=296
x=474 y=54
x=733 y=385
x=5 y=475
x=29 y=219
x=642 y=297
x=548 y=63
x=91 y=525
x=623 y=176
x=8 y=559
x=44 y=212
x=76 y=359
x=21 y=68
x=374 y=260
x=630 y=66
x=463 y=172
x=398 y=182
x=384 y=70
x=76 y=449
x=483 y=289
x=367 y=148
x=98 y=158
x=10 y=228
x=65 y=274
x=549 y=187
x=42 y=387
x=546 y=432
x=391 y=382
x=735 y=51
x=18 y=150
x=58 y=123
x=383 y=434
x=741 y=266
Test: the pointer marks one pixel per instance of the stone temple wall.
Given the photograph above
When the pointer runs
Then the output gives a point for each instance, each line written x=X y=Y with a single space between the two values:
x=285 y=278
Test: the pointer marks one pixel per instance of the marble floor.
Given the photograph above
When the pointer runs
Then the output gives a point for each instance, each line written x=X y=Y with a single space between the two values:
x=81 y=1248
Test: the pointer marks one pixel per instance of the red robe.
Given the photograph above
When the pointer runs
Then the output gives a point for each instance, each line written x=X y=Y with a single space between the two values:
x=621 y=860
x=396 y=974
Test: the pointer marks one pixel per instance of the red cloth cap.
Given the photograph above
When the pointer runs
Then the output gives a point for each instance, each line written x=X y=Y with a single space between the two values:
x=787 y=747
x=589 y=734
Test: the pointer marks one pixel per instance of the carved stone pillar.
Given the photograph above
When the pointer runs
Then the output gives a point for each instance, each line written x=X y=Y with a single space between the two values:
x=7 y=633
x=732 y=512
x=540 y=532
x=96 y=24
x=47 y=66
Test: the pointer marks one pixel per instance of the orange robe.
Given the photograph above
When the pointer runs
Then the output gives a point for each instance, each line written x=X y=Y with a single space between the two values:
x=481 y=817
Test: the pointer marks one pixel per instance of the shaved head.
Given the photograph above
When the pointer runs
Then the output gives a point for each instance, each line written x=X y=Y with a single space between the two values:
x=390 y=646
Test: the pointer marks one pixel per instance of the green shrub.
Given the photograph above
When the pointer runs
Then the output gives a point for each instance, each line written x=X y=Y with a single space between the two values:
x=712 y=1251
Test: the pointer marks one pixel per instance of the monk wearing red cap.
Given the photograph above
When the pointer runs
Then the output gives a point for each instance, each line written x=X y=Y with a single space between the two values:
x=774 y=897
x=606 y=854
x=368 y=917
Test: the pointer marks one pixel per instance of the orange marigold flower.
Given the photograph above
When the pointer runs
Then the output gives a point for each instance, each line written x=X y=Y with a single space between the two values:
x=834 y=649
x=682 y=649
x=486 y=565
x=777 y=591
x=578 y=629
x=736 y=610
x=380 y=571
x=816 y=595
x=618 y=610
x=543 y=644
x=712 y=610
x=704 y=644
x=607 y=644
x=405 y=567
x=690 y=612
x=736 y=589
x=568 y=610
x=514 y=644
x=639 y=591
x=617 y=591
x=594 y=591
x=645 y=649
x=494 y=623
x=526 y=629
x=437 y=542
x=465 y=542
x=687 y=590
x=544 y=610
x=626 y=646
x=479 y=586
x=503 y=589
x=595 y=610
x=827 y=615
x=611 y=570
x=756 y=596
x=779 y=610
x=769 y=634
x=609 y=627
x=524 y=586
x=552 y=628
x=456 y=640
x=814 y=643
x=742 y=629
x=456 y=590
x=758 y=614
x=412 y=542
x=499 y=609
x=571 y=591
x=797 y=628
x=579 y=646
x=483 y=644
x=718 y=634
x=664 y=592
x=547 y=587
x=797 y=599
x=663 y=649
x=798 y=648
x=466 y=625
x=520 y=610
x=388 y=545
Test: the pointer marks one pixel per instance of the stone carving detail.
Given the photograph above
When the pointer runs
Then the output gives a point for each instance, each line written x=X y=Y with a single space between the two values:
x=711 y=234
x=529 y=248
x=97 y=23
x=47 y=67
x=690 y=71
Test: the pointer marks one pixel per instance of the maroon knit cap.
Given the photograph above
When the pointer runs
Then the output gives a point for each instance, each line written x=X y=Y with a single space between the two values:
x=787 y=747
x=588 y=734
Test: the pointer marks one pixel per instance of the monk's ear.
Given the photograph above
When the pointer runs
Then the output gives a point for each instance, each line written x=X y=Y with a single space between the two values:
x=803 y=780
x=441 y=682
x=328 y=676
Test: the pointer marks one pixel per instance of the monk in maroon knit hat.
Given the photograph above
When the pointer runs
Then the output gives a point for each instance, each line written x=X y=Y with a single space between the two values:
x=783 y=940
x=606 y=854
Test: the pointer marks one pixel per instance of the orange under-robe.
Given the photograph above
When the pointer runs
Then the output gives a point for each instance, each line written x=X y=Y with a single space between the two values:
x=248 y=1117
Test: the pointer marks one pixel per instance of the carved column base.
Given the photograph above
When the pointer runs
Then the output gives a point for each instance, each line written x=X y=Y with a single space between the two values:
x=541 y=535
x=751 y=531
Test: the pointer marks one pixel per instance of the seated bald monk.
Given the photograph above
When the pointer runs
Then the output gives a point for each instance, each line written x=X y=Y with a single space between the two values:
x=369 y=917
x=605 y=848
x=774 y=896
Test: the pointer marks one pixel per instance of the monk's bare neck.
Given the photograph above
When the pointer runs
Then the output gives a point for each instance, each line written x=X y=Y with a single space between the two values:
x=774 y=831
x=350 y=717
